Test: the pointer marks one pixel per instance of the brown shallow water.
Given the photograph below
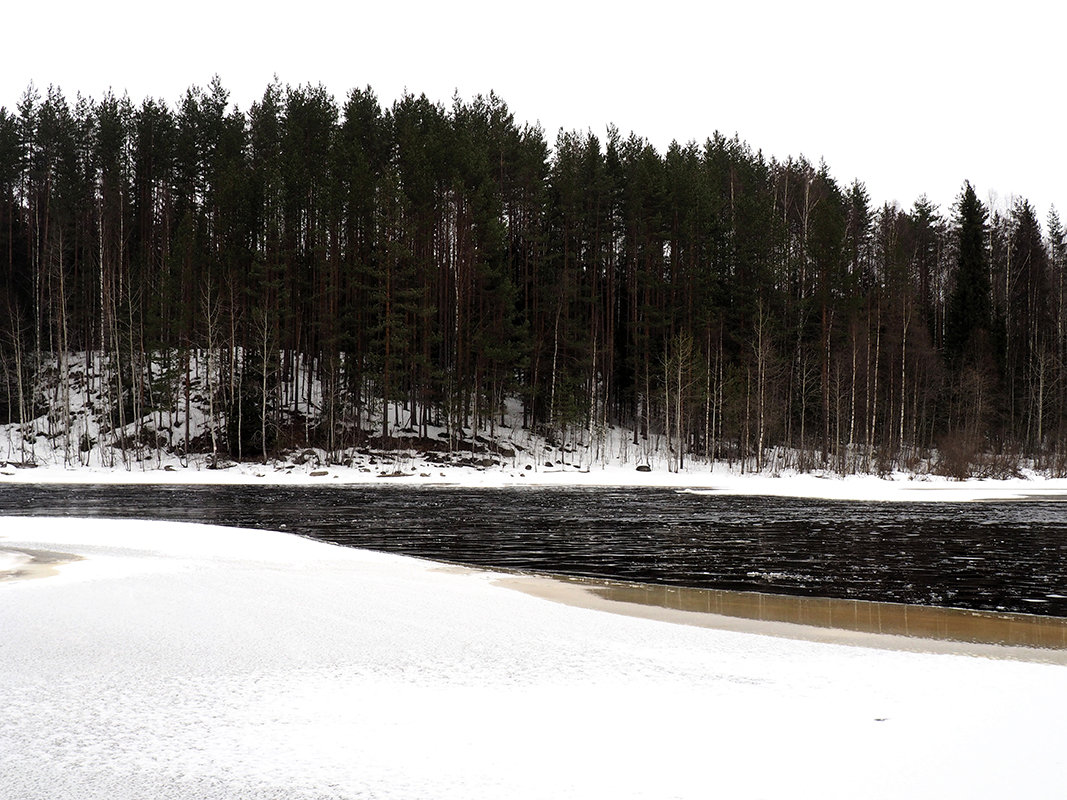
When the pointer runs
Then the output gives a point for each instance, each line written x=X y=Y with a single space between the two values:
x=872 y=624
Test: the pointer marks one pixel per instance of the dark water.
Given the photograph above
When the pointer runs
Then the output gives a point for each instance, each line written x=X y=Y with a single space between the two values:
x=994 y=556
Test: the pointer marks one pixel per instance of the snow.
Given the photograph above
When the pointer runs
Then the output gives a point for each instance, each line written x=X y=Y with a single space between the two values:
x=189 y=661
x=12 y=562
x=76 y=387
x=413 y=471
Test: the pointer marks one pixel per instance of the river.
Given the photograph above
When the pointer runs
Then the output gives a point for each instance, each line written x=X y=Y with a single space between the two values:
x=998 y=556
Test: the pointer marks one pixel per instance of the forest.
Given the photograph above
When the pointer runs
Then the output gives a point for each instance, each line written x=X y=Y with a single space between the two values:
x=341 y=271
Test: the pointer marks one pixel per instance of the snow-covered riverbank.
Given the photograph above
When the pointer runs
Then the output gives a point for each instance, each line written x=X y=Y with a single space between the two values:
x=414 y=471
x=181 y=661
x=82 y=447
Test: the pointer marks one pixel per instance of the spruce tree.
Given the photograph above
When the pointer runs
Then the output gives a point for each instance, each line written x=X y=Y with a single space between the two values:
x=967 y=316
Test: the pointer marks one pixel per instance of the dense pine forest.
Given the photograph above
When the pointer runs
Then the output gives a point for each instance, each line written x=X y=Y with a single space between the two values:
x=338 y=272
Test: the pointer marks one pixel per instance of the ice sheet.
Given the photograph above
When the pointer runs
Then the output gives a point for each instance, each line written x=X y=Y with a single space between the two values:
x=185 y=661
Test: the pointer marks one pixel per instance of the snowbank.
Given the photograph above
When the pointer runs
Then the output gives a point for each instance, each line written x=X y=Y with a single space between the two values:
x=413 y=471
x=185 y=661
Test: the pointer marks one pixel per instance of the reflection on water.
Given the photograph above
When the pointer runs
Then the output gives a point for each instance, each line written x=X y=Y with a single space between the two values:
x=1001 y=556
x=927 y=622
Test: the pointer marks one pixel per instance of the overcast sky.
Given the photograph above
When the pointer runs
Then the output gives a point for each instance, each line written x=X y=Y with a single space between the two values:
x=911 y=97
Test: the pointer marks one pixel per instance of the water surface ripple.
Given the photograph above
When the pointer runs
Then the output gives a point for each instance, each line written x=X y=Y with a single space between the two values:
x=1009 y=556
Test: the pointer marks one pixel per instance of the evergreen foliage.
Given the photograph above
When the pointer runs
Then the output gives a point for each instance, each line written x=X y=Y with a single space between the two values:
x=968 y=313
x=438 y=260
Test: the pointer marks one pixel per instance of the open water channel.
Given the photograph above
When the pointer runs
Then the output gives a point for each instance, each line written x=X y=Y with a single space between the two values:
x=998 y=556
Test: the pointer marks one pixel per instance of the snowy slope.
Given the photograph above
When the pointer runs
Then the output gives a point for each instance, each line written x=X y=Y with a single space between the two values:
x=73 y=441
x=181 y=661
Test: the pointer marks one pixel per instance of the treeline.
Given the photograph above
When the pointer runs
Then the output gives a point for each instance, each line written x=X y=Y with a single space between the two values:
x=331 y=261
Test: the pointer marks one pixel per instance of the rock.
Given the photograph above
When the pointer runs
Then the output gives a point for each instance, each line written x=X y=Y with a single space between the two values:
x=644 y=468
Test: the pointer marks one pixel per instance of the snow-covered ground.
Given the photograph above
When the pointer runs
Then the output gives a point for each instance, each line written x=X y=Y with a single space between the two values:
x=185 y=661
x=416 y=471
x=73 y=442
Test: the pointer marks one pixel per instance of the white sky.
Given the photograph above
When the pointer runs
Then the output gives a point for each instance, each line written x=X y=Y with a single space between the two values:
x=911 y=97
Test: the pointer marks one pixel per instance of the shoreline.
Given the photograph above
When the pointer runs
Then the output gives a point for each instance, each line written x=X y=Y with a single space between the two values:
x=934 y=630
x=718 y=480
x=879 y=625
x=864 y=623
